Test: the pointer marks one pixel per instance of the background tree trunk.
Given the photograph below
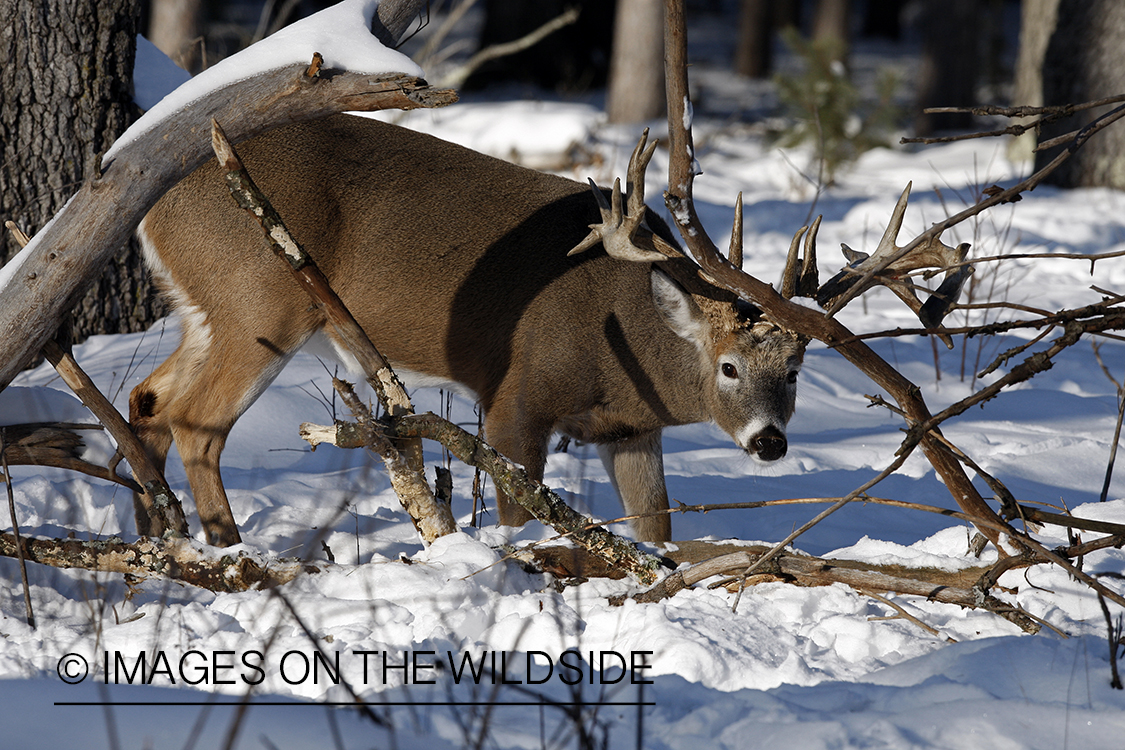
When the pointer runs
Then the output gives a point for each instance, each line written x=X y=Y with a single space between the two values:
x=1083 y=62
x=176 y=28
x=636 y=71
x=951 y=60
x=65 y=96
x=753 y=54
x=832 y=20
x=1037 y=22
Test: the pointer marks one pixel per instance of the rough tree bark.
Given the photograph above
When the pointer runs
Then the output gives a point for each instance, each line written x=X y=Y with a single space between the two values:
x=65 y=96
x=1083 y=63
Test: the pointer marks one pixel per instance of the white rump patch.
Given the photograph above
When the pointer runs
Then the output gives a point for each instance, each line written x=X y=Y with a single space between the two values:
x=195 y=330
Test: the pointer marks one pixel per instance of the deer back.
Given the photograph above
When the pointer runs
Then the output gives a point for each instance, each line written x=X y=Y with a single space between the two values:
x=454 y=262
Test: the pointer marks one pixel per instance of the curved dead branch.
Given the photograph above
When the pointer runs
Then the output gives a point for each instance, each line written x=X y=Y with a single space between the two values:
x=59 y=263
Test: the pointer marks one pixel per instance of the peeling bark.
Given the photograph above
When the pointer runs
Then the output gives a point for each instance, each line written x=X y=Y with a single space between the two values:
x=177 y=559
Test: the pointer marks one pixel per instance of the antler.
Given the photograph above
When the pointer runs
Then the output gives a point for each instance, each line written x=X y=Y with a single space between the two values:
x=800 y=277
x=886 y=267
x=785 y=313
x=617 y=231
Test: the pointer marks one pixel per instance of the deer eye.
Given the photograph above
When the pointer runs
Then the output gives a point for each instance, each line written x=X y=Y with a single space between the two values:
x=792 y=377
x=729 y=371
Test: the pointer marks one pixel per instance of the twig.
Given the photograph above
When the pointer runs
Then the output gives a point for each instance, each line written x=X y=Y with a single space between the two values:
x=430 y=518
x=903 y=614
x=1085 y=548
x=1114 y=642
x=457 y=78
x=55 y=444
x=161 y=504
x=1051 y=114
x=16 y=529
x=1056 y=110
x=1003 y=357
x=1117 y=426
x=777 y=548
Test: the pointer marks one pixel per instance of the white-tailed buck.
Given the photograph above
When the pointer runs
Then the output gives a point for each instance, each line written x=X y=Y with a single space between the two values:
x=457 y=266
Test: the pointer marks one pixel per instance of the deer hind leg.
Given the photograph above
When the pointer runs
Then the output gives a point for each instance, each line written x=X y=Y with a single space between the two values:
x=148 y=415
x=636 y=468
x=194 y=399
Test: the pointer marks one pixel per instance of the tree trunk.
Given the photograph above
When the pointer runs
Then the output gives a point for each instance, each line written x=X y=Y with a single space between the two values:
x=950 y=63
x=753 y=56
x=1037 y=22
x=65 y=96
x=1083 y=62
x=636 y=71
x=832 y=20
x=176 y=28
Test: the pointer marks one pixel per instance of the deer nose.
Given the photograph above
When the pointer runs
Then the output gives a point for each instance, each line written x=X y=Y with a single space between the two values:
x=769 y=444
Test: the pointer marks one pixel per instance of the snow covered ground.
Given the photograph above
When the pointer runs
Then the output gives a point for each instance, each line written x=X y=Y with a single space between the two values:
x=810 y=668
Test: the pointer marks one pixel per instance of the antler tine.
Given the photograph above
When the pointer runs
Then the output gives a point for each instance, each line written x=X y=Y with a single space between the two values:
x=887 y=242
x=735 y=253
x=615 y=214
x=863 y=271
x=789 y=275
x=800 y=277
x=617 y=227
x=635 y=181
x=810 y=276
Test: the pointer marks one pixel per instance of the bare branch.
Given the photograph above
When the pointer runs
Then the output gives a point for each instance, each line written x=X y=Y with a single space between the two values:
x=16 y=528
x=432 y=519
x=178 y=559
x=457 y=78
x=781 y=311
x=56 y=444
x=510 y=478
x=1051 y=114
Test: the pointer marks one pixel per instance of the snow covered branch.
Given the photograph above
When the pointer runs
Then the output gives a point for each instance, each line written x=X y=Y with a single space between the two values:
x=43 y=281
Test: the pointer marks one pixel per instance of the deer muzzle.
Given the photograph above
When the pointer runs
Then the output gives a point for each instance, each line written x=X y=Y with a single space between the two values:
x=768 y=445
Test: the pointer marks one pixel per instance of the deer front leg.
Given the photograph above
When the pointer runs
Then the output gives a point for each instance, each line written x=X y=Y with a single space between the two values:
x=522 y=441
x=636 y=468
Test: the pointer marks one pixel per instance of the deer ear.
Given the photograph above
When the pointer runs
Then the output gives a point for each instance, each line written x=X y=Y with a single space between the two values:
x=677 y=309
